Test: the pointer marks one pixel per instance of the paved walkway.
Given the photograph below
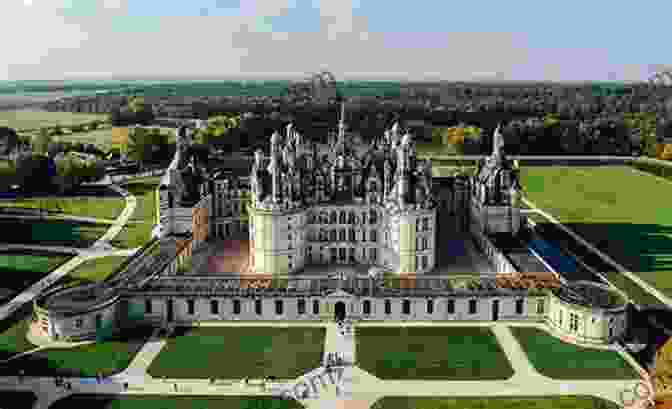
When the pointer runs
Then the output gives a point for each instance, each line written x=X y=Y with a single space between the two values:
x=93 y=252
x=648 y=288
x=144 y=357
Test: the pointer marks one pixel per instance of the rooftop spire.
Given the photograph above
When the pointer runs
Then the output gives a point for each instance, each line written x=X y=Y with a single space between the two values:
x=341 y=124
x=497 y=142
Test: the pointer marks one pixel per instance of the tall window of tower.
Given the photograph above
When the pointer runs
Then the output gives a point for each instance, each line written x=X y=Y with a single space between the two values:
x=333 y=217
x=341 y=218
x=341 y=235
x=373 y=217
x=332 y=235
x=425 y=223
x=351 y=234
x=425 y=245
x=351 y=217
x=374 y=236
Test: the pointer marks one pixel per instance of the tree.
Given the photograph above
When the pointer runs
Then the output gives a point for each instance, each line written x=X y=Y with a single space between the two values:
x=33 y=172
x=145 y=145
x=9 y=139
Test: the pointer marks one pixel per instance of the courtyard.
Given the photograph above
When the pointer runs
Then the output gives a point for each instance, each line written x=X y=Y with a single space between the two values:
x=560 y=360
x=431 y=353
x=236 y=353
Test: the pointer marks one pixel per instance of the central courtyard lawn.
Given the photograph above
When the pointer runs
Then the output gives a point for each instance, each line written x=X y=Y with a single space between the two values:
x=455 y=353
x=236 y=353
x=560 y=360
x=106 y=357
x=21 y=270
x=98 y=207
x=618 y=209
x=174 y=402
x=52 y=232
x=522 y=402
x=139 y=229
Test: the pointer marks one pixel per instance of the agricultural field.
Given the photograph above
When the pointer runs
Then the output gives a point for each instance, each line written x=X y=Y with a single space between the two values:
x=254 y=352
x=569 y=361
x=618 y=209
x=436 y=353
x=28 y=120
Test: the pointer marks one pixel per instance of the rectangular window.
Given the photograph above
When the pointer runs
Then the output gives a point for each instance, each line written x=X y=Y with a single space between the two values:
x=316 y=307
x=148 y=306
x=519 y=307
x=425 y=244
x=540 y=306
x=374 y=236
x=373 y=252
x=430 y=306
x=79 y=322
x=406 y=307
x=332 y=235
x=341 y=235
x=214 y=307
x=366 y=307
x=191 y=307
x=425 y=223
x=278 y=307
x=257 y=307
x=301 y=306
x=236 y=307
x=451 y=307
x=472 y=306
x=388 y=307
x=424 y=262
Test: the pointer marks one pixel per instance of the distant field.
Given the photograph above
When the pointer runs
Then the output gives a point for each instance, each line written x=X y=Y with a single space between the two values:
x=98 y=207
x=619 y=210
x=23 y=120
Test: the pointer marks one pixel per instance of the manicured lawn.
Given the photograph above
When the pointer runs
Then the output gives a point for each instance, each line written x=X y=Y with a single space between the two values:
x=139 y=230
x=523 y=402
x=619 y=210
x=24 y=119
x=21 y=270
x=254 y=352
x=174 y=402
x=98 y=207
x=52 y=232
x=95 y=270
x=13 y=337
x=106 y=357
x=557 y=359
x=459 y=353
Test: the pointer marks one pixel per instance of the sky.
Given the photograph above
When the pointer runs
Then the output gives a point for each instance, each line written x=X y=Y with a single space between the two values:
x=569 y=40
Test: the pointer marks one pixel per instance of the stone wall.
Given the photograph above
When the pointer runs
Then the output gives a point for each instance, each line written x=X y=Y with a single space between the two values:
x=500 y=262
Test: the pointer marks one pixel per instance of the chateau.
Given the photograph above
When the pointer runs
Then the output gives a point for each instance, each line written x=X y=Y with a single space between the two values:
x=339 y=231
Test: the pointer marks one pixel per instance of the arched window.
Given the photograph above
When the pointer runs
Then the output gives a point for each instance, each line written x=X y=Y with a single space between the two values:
x=301 y=306
x=333 y=217
x=191 y=306
x=342 y=217
x=148 y=306
x=316 y=307
x=388 y=307
x=472 y=306
x=366 y=307
x=373 y=217
x=430 y=306
x=451 y=307
x=278 y=307
x=236 y=307
x=214 y=307
x=406 y=307
x=257 y=307
x=519 y=307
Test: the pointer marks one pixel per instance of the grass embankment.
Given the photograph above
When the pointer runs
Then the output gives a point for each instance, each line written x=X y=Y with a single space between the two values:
x=569 y=361
x=254 y=352
x=175 y=402
x=97 y=207
x=93 y=271
x=21 y=270
x=518 y=402
x=459 y=353
x=617 y=209
x=52 y=233
x=139 y=229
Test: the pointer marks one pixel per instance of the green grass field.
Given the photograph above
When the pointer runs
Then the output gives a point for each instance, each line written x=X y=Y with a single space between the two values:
x=139 y=230
x=522 y=402
x=24 y=120
x=617 y=209
x=459 y=353
x=174 y=402
x=106 y=357
x=95 y=270
x=254 y=352
x=98 y=207
x=560 y=360
x=13 y=337
x=52 y=232
x=21 y=270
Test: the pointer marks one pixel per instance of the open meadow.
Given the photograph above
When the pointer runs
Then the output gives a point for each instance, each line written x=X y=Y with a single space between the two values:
x=23 y=120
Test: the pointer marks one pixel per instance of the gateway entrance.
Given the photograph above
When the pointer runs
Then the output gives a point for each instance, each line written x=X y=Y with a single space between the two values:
x=339 y=311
